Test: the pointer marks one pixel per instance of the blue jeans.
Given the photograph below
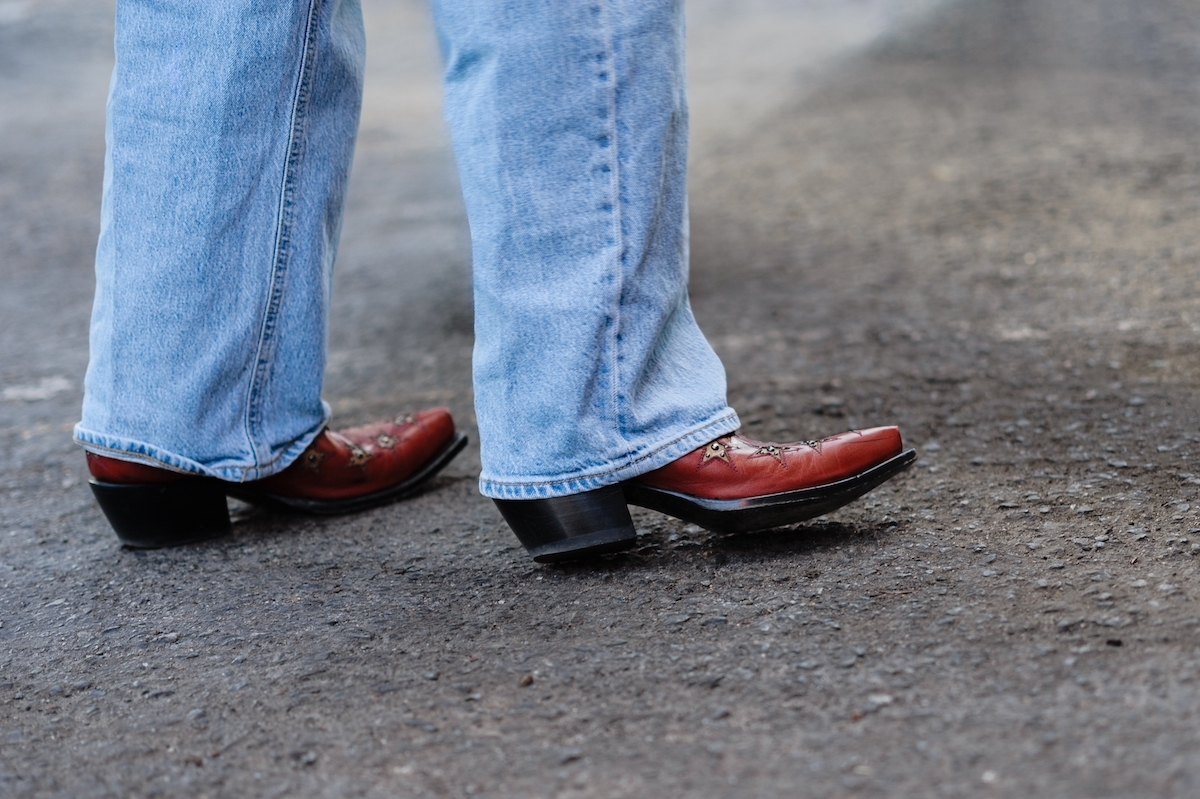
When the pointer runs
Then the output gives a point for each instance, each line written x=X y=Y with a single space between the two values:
x=231 y=127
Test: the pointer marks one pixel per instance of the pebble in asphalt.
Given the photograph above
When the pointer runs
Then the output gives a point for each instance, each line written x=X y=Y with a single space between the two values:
x=975 y=219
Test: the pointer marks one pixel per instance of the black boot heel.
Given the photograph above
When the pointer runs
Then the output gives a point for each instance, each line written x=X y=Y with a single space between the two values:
x=154 y=515
x=572 y=527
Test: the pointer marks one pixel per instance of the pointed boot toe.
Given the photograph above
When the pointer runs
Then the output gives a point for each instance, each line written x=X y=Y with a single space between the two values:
x=736 y=484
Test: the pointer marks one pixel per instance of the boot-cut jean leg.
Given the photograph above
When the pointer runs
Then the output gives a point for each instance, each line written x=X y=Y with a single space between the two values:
x=569 y=122
x=230 y=129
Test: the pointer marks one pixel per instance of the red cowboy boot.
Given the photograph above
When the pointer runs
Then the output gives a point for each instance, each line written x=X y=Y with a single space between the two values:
x=339 y=472
x=732 y=484
x=735 y=484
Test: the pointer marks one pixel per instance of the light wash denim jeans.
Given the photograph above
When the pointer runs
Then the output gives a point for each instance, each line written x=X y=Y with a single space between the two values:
x=231 y=126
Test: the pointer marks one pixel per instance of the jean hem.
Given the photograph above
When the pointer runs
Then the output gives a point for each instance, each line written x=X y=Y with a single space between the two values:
x=134 y=451
x=658 y=456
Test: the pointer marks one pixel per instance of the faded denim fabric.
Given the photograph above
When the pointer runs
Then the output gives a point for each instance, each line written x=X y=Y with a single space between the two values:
x=569 y=122
x=231 y=127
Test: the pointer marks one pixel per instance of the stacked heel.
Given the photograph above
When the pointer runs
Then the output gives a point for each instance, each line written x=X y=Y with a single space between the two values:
x=156 y=515
x=573 y=527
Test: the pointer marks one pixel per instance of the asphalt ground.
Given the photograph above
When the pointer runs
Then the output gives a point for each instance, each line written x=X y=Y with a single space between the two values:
x=977 y=220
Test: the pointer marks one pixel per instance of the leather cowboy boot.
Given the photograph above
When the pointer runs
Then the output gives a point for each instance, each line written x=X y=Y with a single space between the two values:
x=732 y=484
x=339 y=472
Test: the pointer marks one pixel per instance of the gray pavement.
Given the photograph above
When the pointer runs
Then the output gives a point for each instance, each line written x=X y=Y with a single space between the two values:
x=977 y=219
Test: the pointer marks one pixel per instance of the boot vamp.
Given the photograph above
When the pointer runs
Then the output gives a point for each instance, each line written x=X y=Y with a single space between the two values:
x=734 y=467
x=361 y=460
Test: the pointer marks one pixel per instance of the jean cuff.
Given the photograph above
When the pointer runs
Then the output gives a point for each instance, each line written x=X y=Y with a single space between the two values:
x=134 y=451
x=649 y=459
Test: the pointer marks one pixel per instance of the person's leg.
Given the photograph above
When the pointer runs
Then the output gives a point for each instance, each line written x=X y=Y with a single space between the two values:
x=231 y=125
x=569 y=122
x=594 y=386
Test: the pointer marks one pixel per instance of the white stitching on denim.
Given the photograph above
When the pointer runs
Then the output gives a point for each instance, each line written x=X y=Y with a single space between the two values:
x=612 y=158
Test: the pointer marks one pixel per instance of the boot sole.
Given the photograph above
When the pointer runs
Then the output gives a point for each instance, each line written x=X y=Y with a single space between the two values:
x=157 y=515
x=771 y=510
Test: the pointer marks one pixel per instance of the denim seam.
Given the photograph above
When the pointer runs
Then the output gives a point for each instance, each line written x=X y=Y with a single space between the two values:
x=279 y=265
x=613 y=333
x=623 y=467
